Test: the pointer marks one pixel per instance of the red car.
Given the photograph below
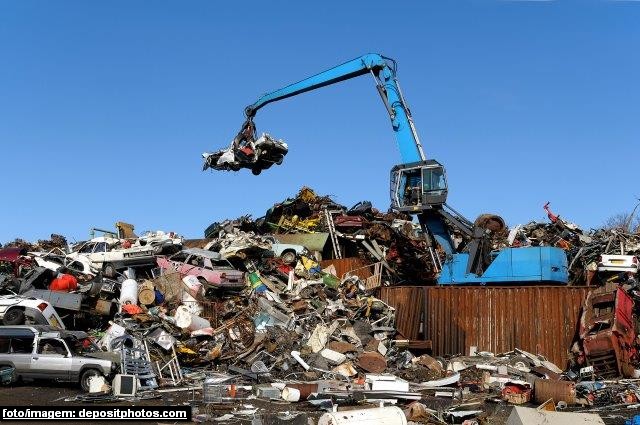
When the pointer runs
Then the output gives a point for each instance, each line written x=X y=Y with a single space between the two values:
x=14 y=259
x=208 y=266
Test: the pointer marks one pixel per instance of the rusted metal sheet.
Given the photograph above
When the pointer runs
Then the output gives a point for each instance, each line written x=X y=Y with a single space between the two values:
x=545 y=389
x=409 y=304
x=538 y=319
x=195 y=243
x=345 y=265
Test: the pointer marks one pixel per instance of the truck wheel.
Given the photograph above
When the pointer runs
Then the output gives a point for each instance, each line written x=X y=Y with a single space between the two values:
x=109 y=270
x=15 y=316
x=288 y=257
x=86 y=376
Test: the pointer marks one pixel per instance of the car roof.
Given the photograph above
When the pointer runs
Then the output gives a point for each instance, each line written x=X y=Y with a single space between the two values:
x=203 y=253
x=50 y=331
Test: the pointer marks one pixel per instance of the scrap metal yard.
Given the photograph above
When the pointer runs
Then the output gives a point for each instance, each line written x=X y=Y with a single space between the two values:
x=260 y=317
x=230 y=213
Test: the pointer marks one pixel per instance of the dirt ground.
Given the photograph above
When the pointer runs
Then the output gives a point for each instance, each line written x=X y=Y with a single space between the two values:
x=53 y=394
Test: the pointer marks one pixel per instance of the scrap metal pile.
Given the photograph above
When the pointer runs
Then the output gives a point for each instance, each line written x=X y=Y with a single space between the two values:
x=398 y=243
x=390 y=239
x=250 y=313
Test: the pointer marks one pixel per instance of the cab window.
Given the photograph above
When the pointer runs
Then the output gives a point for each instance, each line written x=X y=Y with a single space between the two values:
x=179 y=257
x=21 y=345
x=52 y=346
x=196 y=260
x=100 y=247
x=5 y=344
x=433 y=179
x=87 y=248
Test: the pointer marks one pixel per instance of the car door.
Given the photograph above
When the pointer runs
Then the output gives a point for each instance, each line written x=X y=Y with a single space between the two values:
x=51 y=359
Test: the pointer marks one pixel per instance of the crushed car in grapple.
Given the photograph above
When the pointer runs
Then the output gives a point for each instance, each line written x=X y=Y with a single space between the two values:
x=246 y=151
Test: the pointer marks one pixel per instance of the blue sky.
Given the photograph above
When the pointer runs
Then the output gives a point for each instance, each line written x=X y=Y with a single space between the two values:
x=105 y=107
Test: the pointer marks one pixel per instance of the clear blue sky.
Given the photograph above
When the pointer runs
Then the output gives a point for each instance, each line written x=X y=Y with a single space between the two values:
x=105 y=107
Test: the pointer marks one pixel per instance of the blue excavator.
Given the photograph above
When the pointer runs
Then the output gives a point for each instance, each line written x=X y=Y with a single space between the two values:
x=418 y=187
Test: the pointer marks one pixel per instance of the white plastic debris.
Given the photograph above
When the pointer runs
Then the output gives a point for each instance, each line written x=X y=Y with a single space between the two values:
x=186 y=320
x=129 y=292
x=296 y=355
x=319 y=338
x=376 y=416
x=97 y=384
x=333 y=356
x=291 y=394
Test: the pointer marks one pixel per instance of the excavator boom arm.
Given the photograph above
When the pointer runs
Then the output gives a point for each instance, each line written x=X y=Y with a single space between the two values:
x=384 y=71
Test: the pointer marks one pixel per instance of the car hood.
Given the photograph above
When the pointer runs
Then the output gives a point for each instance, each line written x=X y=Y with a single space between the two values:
x=104 y=355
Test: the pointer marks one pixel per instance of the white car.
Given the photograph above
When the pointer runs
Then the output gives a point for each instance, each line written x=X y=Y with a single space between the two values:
x=618 y=263
x=55 y=262
x=109 y=254
x=18 y=310
x=288 y=252
x=170 y=242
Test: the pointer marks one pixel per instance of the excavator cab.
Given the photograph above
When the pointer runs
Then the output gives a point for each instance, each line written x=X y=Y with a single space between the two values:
x=418 y=186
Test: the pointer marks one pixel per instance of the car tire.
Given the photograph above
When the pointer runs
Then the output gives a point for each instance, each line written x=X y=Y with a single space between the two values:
x=256 y=171
x=86 y=376
x=289 y=257
x=14 y=316
x=109 y=270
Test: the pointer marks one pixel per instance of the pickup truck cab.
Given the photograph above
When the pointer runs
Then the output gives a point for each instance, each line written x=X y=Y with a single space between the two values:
x=42 y=352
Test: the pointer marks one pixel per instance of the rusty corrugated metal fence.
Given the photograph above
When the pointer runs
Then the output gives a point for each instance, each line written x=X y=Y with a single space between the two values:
x=539 y=319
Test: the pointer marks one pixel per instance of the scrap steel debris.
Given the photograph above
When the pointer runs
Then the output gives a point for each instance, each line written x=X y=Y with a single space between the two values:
x=257 y=311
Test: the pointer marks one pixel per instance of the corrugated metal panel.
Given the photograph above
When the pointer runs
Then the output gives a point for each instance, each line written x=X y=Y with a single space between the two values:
x=345 y=265
x=409 y=304
x=539 y=319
